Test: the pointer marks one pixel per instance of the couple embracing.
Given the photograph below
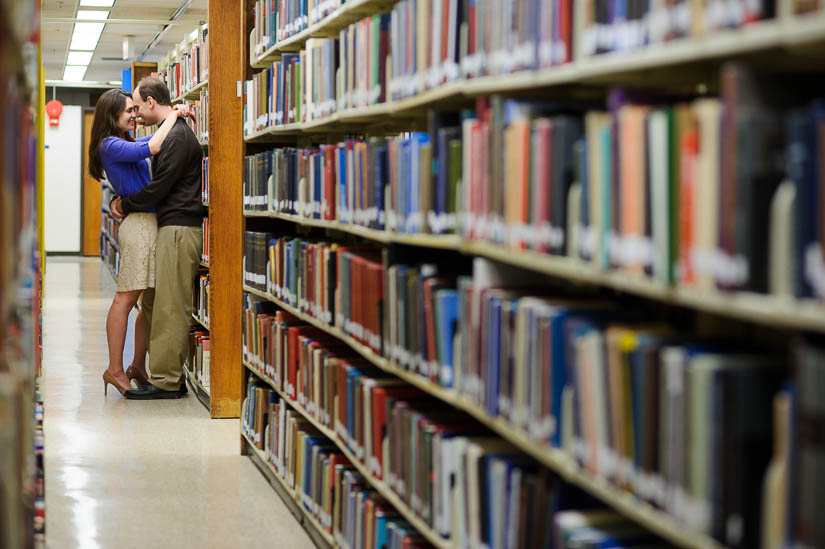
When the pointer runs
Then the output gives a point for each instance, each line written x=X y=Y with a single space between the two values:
x=160 y=236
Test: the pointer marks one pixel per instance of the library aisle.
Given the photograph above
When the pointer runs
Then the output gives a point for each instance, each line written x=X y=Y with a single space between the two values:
x=133 y=473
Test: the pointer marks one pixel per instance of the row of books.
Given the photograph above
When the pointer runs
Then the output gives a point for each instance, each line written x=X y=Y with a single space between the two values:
x=634 y=402
x=275 y=95
x=423 y=38
x=651 y=188
x=377 y=183
x=198 y=361
x=205 y=180
x=110 y=254
x=340 y=286
x=322 y=479
x=110 y=225
x=327 y=75
x=467 y=486
x=609 y=26
x=200 y=125
x=278 y=20
x=200 y=298
x=142 y=130
x=205 y=251
x=190 y=67
x=363 y=49
x=572 y=373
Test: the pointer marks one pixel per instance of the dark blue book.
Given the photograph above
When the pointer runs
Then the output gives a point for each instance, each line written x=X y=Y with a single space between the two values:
x=381 y=181
x=802 y=127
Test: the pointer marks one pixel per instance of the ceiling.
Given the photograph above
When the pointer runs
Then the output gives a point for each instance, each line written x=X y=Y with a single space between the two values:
x=152 y=13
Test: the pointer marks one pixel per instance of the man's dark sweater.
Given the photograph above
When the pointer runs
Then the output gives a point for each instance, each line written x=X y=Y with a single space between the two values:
x=175 y=190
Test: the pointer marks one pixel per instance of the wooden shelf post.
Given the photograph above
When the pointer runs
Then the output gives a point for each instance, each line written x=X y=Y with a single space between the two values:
x=226 y=68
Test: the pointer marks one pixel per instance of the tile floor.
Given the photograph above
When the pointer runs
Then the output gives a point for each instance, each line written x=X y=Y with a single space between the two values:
x=133 y=474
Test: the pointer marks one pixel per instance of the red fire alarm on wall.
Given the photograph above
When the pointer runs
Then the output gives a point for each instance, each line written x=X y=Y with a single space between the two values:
x=54 y=109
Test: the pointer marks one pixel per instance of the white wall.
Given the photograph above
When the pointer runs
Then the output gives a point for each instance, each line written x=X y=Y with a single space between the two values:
x=63 y=182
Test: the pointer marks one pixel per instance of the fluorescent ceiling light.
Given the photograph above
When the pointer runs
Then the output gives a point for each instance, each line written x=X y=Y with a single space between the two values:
x=93 y=14
x=74 y=72
x=79 y=58
x=98 y=3
x=86 y=35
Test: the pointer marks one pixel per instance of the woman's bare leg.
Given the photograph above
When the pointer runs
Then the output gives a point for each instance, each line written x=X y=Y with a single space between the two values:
x=116 y=323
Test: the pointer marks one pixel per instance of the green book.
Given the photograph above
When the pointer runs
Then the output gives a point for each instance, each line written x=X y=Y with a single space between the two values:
x=375 y=40
x=296 y=81
x=454 y=177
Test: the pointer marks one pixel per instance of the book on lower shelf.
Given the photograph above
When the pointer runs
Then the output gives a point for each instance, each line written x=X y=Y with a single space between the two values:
x=198 y=361
x=427 y=452
x=205 y=249
x=625 y=399
x=205 y=181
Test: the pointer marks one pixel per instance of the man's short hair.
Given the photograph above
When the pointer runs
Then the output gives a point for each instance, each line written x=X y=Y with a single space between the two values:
x=155 y=88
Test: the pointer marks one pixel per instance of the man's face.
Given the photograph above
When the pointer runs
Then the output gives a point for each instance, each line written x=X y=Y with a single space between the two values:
x=145 y=109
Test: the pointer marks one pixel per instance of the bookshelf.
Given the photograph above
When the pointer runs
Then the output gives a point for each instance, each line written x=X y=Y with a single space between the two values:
x=787 y=38
x=22 y=481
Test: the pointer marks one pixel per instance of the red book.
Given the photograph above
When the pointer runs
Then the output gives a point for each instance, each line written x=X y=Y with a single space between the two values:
x=689 y=151
x=383 y=52
x=383 y=399
x=329 y=182
x=374 y=293
x=445 y=30
x=341 y=393
x=293 y=353
x=566 y=18
x=430 y=287
x=471 y=23
x=542 y=191
x=360 y=296
x=334 y=461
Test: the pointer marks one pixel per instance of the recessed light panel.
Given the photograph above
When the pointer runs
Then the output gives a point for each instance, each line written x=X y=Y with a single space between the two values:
x=79 y=58
x=97 y=3
x=85 y=36
x=74 y=73
x=98 y=15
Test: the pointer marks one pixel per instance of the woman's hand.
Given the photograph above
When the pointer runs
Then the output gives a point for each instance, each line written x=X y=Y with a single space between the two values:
x=184 y=111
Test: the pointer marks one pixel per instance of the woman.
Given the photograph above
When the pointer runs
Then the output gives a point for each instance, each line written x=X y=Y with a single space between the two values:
x=124 y=160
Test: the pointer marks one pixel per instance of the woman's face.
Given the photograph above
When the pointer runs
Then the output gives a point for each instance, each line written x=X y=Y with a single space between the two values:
x=126 y=119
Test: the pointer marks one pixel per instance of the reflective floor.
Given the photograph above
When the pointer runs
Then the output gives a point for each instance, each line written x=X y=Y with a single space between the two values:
x=134 y=474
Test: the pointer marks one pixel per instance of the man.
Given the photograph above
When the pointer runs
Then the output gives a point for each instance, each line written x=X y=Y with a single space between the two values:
x=175 y=192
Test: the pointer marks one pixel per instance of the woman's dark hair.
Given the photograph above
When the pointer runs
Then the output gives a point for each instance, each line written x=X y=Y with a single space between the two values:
x=107 y=110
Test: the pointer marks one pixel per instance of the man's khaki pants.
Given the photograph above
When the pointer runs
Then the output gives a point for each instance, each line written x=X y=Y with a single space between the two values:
x=167 y=310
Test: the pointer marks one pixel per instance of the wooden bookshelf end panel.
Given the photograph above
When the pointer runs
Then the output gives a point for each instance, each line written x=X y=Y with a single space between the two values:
x=227 y=62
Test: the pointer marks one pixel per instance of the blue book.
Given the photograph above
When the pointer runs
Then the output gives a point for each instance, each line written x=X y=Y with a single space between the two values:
x=419 y=140
x=637 y=398
x=341 y=173
x=403 y=184
x=353 y=378
x=801 y=128
x=446 y=310
x=493 y=366
x=582 y=177
x=381 y=179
